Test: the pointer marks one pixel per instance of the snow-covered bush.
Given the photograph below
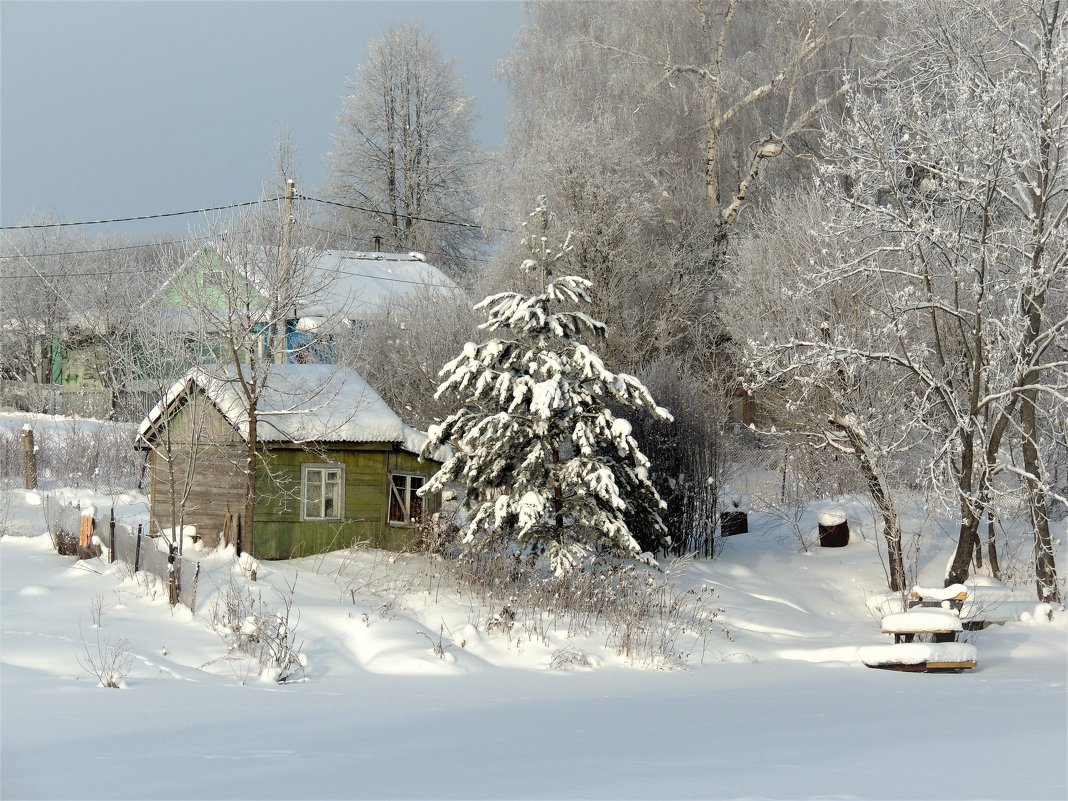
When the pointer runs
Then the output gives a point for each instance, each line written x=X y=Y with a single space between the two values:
x=251 y=629
x=546 y=463
x=642 y=613
x=107 y=659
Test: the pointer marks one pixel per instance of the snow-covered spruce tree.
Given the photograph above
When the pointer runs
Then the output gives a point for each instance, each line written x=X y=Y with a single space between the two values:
x=547 y=465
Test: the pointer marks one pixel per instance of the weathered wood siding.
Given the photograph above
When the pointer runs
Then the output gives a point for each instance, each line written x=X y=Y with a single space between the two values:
x=280 y=533
x=214 y=482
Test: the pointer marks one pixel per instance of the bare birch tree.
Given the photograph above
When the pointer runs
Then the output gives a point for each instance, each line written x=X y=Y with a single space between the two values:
x=404 y=152
x=946 y=199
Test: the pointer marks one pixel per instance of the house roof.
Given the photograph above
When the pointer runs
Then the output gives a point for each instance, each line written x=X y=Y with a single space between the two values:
x=302 y=403
x=360 y=282
x=350 y=285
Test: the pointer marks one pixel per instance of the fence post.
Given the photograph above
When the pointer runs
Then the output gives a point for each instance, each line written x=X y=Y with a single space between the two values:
x=111 y=537
x=29 y=458
x=196 y=580
x=172 y=576
x=137 y=550
x=238 y=545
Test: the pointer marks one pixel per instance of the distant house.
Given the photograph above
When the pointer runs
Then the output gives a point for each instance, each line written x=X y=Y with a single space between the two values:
x=349 y=288
x=337 y=464
x=362 y=283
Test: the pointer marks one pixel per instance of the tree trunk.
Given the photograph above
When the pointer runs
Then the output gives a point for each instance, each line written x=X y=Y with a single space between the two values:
x=991 y=546
x=558 y=501
x=881 y=497
x=712 y=165
x=959 y=568
x=247 y=533
x=1045 y=568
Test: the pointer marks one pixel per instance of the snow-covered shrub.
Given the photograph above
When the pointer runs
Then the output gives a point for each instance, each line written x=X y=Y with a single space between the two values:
x=251 y=629
x=569 y=658
x=107 y=659
x=642 y=613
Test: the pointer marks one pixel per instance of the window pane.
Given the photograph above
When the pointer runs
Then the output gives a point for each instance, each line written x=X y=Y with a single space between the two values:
x=416 y=506
x=313 y=499
x=396 y=505
x=332 y=495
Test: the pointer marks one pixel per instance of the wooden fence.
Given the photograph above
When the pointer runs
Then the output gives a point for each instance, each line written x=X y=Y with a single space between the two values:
x=88 y=536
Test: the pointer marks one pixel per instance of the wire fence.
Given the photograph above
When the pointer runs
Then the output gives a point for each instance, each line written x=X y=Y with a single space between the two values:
x=102 y=404
x=75 y=532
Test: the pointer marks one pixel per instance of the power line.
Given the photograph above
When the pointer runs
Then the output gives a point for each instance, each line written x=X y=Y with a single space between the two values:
x=46 y=276
x=457 y=223
x=140 y=217
x=114 y=249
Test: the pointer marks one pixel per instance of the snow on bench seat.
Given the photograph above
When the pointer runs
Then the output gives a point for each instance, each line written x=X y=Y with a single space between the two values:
x=922 y=620
x=1005 y=611
x=928 y=656
x=954 y=592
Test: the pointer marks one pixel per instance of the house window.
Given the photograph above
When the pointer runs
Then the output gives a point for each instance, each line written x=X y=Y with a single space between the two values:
x=322 y=493
x=405 y=506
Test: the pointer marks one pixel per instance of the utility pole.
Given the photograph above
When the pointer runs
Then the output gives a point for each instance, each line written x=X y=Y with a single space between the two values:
x=286 y=274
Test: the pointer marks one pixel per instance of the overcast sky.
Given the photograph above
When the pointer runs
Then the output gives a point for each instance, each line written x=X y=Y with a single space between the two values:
x=118 y=109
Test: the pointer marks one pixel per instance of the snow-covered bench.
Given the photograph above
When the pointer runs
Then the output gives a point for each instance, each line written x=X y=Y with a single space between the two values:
x=951 y=597
x=933 y=614
x=946 y=657
x=990 y=601
x=941 y=624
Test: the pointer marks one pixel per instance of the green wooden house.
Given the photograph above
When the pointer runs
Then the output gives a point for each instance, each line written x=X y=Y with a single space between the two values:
x=336 y=464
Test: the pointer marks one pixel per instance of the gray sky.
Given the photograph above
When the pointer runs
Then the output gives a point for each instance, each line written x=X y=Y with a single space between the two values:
x=118 y=109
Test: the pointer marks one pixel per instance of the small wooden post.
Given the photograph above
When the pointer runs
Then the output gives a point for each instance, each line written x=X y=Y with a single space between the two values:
x=238 y=543
x=84 y=549
x=172 y=576
x=29 y=458
x=111 y=537
x=193 y=600
x=137 y=550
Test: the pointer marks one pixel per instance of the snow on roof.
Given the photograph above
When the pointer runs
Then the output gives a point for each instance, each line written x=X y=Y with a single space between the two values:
x=301 y=403
x=361 y=281
x=350 y=284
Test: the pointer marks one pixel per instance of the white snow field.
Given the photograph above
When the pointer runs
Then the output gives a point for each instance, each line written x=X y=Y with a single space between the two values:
x=782 y=708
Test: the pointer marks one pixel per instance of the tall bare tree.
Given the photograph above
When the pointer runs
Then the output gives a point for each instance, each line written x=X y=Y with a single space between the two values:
x=404 y=152
x=946 y=205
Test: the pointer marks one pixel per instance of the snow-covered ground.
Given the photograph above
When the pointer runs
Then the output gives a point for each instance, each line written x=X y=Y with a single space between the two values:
x=408 y=695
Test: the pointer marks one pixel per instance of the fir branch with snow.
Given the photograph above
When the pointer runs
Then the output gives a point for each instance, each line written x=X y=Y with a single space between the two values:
x=546 y=463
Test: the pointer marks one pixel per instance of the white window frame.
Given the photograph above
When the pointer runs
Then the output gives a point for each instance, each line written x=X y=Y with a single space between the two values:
x=322 y=470
x=405 y=500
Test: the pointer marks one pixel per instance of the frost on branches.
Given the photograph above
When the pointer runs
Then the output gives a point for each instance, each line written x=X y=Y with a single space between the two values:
x=546 y=463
